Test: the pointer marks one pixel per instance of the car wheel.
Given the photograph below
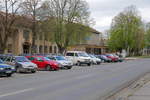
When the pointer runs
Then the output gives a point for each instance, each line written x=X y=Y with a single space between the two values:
x=93 y=63
x=9 y=75
x=70 y=67
x=78 y=63
x=98 y=63
x=17 y=70
x=48 y=68
x=34 y=71
x=89 y=64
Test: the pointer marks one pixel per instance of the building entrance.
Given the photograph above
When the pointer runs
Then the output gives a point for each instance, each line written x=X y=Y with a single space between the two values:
x=26 y=48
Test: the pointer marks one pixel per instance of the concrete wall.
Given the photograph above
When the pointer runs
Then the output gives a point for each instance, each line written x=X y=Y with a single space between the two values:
x=94 y=39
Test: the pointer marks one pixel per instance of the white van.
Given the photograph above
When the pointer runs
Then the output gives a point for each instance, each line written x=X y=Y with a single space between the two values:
x=78 y=57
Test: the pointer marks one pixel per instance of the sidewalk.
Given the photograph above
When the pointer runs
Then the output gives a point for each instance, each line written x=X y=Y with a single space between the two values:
x=142 y=94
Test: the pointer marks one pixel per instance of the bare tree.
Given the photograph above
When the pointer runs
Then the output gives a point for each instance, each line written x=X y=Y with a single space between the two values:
x=8 y=17
x=30 y=8
x=69 y=17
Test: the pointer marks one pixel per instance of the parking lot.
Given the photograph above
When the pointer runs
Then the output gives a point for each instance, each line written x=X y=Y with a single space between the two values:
x=83 y=68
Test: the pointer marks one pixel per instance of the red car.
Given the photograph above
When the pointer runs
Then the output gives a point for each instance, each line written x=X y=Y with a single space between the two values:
x=44 y=63
x=112 y=57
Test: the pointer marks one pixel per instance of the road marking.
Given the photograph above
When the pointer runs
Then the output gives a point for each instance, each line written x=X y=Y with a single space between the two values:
x=15 y=93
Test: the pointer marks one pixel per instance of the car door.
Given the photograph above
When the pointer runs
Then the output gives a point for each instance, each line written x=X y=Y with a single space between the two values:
x=70 y=56
x=76 y=57
x=8 y=61
x=40 y=63
x=13 y=61
x=33 y=60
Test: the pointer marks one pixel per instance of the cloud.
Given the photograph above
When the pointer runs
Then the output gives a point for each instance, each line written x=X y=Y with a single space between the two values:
x=104 y=10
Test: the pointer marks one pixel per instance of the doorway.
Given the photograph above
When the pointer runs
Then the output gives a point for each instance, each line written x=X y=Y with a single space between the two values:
x=26 y=48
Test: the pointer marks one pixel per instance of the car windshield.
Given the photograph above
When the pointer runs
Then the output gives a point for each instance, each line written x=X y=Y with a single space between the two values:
x=51 y=58
x=115 y=55
x=92 y=56
x=46 y=58
x=104 y=56
x=22 y=59
x=83 y=55
x=1 y=62
x=60 y=58
x=110 y=55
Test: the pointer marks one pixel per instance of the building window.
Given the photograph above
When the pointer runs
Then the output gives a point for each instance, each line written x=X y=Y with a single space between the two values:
x=50 y=49
x=88 y=50
x=26 y=35
x=45 y=49
x=36 y=48
x=40 y=49
x=55 y=49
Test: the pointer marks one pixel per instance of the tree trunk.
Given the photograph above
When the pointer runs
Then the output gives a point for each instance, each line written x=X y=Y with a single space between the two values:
x=33 y=49
x=61 y=50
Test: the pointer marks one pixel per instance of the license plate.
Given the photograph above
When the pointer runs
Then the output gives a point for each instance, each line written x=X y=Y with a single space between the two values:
x=8 y=71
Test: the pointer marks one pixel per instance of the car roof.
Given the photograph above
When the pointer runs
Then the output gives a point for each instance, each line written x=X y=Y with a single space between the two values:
x=19 y=56
x=75 y=51
x=34 y=56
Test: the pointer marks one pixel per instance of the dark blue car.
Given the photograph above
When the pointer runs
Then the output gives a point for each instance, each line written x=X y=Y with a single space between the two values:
x=6 y=70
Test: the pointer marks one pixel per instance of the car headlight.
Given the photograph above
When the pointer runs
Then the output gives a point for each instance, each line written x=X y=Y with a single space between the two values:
x=24 y=66
x=65 y=63
x=1 y=68
x=35 y=66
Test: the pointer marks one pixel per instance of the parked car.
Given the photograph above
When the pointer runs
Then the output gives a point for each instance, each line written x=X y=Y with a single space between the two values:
x=21 y=63
x=112 y=57
x=6 y=70
x=94 y=59
x=78 y=57
x=104 y=58
x=64 y=63
x=119 y=58
x=4 y=56
x=44 y=63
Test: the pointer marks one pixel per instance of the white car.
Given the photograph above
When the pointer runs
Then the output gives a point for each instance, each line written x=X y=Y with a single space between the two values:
x=78 y=57
x=95 y=60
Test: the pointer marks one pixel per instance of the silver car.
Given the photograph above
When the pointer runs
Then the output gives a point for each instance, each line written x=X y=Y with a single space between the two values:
x=64 y=63
x=21 y=63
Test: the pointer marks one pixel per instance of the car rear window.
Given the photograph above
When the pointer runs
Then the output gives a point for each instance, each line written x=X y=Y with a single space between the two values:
x=70 y=54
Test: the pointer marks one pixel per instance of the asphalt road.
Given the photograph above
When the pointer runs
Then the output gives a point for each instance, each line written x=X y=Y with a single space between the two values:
x=79 y=83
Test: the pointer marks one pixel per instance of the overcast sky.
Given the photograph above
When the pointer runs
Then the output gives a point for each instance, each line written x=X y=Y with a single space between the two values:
x=104 y=10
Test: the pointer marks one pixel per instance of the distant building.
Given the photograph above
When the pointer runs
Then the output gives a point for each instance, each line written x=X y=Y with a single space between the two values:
x=20 y=43
x=94 y=44
x=21 y=40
